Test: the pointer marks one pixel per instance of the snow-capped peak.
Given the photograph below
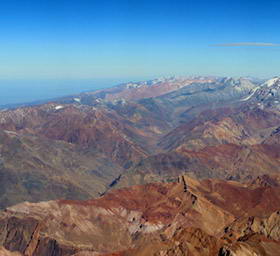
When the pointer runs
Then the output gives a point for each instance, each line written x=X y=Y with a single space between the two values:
x=271 y=82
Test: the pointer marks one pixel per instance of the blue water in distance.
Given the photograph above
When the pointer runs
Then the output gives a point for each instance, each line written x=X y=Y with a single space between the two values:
x=25 y=91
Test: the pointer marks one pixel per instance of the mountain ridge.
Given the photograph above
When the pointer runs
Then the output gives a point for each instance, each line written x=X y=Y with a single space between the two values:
x=112 y=139
x=212 y=214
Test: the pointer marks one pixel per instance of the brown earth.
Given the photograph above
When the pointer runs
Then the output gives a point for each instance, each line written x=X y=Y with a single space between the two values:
x=78 y=148
x=187 y=217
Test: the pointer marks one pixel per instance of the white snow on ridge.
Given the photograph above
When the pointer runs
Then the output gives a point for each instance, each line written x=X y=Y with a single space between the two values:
x=133 y=85
x=77 y=100
x=251 y=95
x=10 y=132
x=267 y=84
x=271 y=82
x=58 y=107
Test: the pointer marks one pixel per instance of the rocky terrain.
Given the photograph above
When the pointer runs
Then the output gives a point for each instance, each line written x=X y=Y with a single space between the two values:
x=236 y=143
x=176 y=166
x=186 y=217
x=81 y=146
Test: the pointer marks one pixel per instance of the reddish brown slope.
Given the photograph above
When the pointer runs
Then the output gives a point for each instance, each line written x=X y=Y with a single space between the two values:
x=160 y=88
x=148 y=89
x=156 y=219
x=231 y=143
x=242 y=126
x=101 y=130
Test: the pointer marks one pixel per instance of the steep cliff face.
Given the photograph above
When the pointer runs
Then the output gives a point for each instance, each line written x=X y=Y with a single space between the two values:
x=187 y=217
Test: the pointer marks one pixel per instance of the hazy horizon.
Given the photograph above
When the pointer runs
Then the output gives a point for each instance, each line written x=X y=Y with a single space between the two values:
x=50 y=49
x=20 y=91
x=27 y=91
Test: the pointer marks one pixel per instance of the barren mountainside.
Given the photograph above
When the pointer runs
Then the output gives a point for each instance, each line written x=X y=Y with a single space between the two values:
x=176 y=166
x=187 y=217
x=79 y=147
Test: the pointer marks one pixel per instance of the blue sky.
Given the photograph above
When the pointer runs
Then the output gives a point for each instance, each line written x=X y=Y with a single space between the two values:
x=89 y=39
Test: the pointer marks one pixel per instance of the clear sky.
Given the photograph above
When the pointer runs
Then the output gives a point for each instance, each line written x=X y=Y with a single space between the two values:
x=90 y=39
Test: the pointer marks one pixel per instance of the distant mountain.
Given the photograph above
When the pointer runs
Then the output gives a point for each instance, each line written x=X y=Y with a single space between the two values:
x=267 y=94
x=135 y=133
x=234 y=144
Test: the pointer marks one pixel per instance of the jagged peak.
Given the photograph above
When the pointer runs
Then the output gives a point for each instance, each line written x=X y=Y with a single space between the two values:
x=271 y=82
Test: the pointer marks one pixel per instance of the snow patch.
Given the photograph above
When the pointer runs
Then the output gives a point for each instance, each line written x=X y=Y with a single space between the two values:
x=149 y=228
x=121 y=101
x=251 y=95
x=58 y=107
x=271 y=82
x=10 y=132
x=133 y=85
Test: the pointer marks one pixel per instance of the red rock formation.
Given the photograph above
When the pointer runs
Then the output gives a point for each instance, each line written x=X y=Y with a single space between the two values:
x=188 y=217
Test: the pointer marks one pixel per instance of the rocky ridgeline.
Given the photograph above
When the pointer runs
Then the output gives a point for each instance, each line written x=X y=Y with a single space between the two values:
x=209 y=217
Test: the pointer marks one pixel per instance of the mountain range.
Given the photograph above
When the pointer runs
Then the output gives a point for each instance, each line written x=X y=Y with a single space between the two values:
x=172 y=166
